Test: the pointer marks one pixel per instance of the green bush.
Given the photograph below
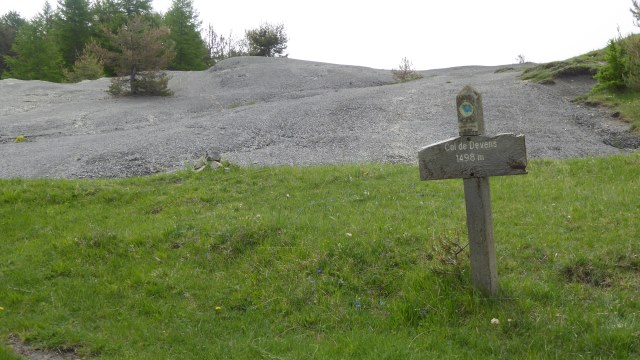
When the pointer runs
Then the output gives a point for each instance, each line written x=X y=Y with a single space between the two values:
x=87 y=67
x=622 y=68
x=268 y=40
x=117 y=87
x=148 y=83
x=632 y=62
x=611 y=76
x=153 y=83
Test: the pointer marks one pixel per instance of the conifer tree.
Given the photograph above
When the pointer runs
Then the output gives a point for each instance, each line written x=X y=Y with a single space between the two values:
x=141 y=52
x=191 y=50
x=108 y=14
x=47 y=15
x=37 y=56
x=13 y=19
x=133 y=8
x=267 y=40
x=73 y=28
x=9 y=25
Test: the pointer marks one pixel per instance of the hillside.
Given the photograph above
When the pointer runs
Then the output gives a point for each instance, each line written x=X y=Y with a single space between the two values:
x=265 y=111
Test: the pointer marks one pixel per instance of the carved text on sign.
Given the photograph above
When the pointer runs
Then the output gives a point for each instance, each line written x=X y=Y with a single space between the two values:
x=474 y=156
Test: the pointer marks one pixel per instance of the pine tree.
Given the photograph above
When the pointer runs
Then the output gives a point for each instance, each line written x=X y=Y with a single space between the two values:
x=141 y=51
x=37 y=55
x=267 y=40
x=13 y=19
x=191 y=50
x=47 y=15
x=635 y=11
x=109 y=15
x=113 y=14
x=73 y=28
x=9 y=25
x=133 y=8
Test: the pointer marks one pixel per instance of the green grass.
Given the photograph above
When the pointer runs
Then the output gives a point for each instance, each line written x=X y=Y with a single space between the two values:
x=242 y=103
x=586 y=64
x=505 y=69
x=6 y=354
x=322 y=263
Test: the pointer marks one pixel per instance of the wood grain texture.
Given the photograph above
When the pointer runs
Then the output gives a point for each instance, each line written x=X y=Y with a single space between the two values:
x=482 y=250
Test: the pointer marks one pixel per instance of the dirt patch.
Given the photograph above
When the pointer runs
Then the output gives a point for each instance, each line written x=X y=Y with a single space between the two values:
x=31 y=353
x=586 y=272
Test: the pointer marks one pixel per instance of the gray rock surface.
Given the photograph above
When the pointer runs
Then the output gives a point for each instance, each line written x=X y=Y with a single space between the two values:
x=278 y=111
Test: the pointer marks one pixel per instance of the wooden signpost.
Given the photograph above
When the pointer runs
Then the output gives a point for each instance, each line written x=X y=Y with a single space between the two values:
x=474 y=157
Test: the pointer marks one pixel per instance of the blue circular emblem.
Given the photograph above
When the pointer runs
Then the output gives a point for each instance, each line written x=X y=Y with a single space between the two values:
x=466 y=109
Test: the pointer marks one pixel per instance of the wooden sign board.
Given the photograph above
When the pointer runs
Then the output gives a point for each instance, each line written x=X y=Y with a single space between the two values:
x=474 y=157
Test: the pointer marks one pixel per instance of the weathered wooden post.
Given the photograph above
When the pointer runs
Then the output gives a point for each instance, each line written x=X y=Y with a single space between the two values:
x=474 y=157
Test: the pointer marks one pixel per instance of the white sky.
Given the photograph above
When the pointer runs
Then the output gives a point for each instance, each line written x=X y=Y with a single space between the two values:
x=432 y=34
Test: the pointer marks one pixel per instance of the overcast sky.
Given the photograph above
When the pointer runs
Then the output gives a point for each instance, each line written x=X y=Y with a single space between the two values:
x=432 y=34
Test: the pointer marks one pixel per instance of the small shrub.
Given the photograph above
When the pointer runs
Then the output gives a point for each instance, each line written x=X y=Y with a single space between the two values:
x=611 y=75
x=149 y=83
x=118 y=86
x=504 y=69
x=631 y=76
x=405 y=72
x=448 y=253
x=21 y=138
x=153 y=83
x=87 y=67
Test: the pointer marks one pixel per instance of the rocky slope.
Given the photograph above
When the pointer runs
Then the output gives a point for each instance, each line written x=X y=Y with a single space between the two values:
x=266 y=111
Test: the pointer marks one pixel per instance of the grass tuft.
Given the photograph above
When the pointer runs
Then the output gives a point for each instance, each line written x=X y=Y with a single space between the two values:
x=625 y=104
x=585 y=271
x=505 y=69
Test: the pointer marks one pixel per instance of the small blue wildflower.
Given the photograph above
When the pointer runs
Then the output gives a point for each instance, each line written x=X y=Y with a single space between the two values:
x=319 y=270
x=357 y=304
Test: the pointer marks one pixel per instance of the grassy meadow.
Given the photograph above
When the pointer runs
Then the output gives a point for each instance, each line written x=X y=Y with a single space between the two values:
x=340 y=262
